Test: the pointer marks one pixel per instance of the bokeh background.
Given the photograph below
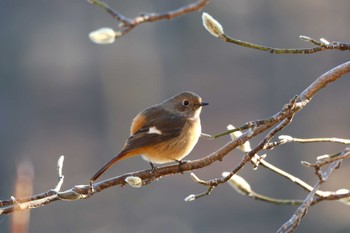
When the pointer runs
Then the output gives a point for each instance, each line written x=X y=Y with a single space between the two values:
x=62 y=94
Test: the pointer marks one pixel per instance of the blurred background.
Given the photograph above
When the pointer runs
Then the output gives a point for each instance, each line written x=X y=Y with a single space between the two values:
x=61 y=94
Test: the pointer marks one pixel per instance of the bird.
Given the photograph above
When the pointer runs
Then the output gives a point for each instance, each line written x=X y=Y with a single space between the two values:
x=162 y=133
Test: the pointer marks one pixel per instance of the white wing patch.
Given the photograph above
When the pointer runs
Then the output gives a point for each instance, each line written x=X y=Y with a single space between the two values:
x=154 y=130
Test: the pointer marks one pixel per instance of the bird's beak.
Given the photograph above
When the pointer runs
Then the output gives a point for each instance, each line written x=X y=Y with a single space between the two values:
x=204 y=103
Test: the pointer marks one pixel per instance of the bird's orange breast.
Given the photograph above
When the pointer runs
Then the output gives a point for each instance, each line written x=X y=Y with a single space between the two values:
x=177 y=148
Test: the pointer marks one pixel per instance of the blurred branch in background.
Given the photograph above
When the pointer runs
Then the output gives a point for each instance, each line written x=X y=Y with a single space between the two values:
x=215 y=28
x=23 y=188
x=108 y=35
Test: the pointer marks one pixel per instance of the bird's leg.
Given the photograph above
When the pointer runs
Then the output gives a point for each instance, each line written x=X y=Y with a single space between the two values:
x=181 y=162
x=153 y=168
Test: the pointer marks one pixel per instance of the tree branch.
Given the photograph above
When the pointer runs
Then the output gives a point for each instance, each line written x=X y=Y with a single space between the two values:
x=244 y=188
x=278 y=121
x=335 y=45
x=215 y=28
x=127 y=24
x=295 y=220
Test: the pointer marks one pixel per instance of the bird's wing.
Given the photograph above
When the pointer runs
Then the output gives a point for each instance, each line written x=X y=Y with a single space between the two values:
x=160 y=126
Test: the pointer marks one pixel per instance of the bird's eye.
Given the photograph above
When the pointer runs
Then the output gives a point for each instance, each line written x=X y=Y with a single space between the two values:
x=185 y=103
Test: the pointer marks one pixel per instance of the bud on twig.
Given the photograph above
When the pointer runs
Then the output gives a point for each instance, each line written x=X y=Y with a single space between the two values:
x=103 y=36
x=304 y=38
x=323 y=157
x=212 y=26
x=134 y=181
x=239 y=184
x=346 y=200
x=324 y=41
x=190 y=197
x=245 y=147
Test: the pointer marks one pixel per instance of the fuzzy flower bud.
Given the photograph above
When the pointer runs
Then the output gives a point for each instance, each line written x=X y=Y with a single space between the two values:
x=239 y=184
x=304 y=38
x=191 y=197
x=212 y=26
x=346 y=200
x=245 y=147
x=134 y=181
x=324 y=41
x=103 y=36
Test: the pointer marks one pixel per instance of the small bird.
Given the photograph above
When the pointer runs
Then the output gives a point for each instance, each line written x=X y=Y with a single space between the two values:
x=163 y=133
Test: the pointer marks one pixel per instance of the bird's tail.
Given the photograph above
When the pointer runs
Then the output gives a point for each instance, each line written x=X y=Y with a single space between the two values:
x=118 y=157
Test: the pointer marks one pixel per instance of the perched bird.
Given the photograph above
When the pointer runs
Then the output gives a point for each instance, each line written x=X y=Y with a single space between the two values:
x=163 y=133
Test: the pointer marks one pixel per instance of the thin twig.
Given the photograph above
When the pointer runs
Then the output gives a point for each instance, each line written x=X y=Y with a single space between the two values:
x=216 y=29
x=287 y=139
x=127 y=24
x=311 y=140
x=290 y=177
x=60 y=174
x=321 y=47
x=261 y=160
x=271 y=200
x=248 y=125
x=244 y=188
x=330 y=159
x=248 y=156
